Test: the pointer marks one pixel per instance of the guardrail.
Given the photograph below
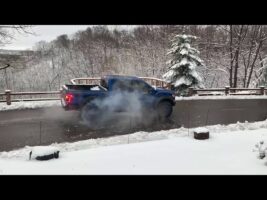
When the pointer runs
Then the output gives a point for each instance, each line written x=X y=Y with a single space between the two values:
x=7 y=96
x=227 y=91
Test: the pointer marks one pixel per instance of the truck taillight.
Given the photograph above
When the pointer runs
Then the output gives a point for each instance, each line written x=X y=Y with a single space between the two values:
x=69 y=98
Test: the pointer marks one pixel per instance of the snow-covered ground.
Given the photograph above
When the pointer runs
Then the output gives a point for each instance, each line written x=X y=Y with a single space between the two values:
x=228 y=151
x=28 y=105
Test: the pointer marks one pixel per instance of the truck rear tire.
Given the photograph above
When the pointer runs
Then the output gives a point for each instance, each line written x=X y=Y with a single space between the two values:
x=164 y=110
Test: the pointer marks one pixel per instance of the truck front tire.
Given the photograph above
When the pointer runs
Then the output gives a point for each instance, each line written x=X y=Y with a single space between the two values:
x=164 y=110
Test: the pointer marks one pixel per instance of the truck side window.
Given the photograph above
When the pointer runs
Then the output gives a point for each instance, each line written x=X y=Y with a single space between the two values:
x=140 y=86
x=122 y=85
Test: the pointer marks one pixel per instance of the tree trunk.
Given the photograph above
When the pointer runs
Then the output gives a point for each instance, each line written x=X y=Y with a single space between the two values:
x=253 y=63
x=231 y=57
x=240 y=38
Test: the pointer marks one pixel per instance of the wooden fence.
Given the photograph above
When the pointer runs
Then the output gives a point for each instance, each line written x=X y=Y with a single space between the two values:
x=8 y=96
x=30 y=96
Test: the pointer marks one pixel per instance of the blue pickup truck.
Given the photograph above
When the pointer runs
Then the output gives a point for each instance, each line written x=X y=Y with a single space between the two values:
x=117 y=93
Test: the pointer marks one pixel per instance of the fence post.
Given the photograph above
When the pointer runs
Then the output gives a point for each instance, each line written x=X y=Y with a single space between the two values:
x=227 y=90
x=8 y=97
x=190 y=91
x=262 y=90
x=169 y=86
x=61 y=92
x=157 y=83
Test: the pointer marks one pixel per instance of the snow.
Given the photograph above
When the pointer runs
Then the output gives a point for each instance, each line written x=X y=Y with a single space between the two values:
x=217 y=93
x=182 y=80
x=245 y=92
x=184 y=61
x=43 y=150
x=168 y=76
x=196 y=76
x=96 y=88
x=29 y=105
x=228 y=151
x=201 y=130
x=184 y=52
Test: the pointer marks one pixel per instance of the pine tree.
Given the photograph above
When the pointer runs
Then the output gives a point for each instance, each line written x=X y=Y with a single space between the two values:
x=182 y=72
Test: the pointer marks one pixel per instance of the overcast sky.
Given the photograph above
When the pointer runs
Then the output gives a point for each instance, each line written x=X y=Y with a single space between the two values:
x=44 y=32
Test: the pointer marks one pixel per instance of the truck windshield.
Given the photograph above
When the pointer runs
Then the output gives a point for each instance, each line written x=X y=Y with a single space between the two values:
x=123 y=85
x=131 y=86
x=140 y=86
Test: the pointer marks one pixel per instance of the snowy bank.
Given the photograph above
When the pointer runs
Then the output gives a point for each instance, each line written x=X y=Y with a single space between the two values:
x=29 y=105
x=228 y=151
x=225 y=153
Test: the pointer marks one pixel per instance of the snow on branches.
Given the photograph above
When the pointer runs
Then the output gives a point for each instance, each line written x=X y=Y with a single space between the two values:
x=182 y=72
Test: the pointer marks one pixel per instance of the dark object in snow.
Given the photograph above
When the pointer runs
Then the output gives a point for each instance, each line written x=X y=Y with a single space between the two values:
x=48 y=157
x=201 y=134
x=261 y=155
x=44 y=153
x=261 y=149
x=30 y=155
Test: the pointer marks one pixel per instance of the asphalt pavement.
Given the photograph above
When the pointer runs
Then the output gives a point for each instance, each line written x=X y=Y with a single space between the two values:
x=19 y=128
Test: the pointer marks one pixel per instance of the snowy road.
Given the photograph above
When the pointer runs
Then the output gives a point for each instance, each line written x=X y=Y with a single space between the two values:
x=52 y=124
x=21 y=127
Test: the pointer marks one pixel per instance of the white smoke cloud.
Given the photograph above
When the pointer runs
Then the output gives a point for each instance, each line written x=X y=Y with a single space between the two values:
x=121 y=109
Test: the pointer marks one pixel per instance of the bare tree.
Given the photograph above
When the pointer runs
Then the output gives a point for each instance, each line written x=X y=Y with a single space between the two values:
x=7 y=32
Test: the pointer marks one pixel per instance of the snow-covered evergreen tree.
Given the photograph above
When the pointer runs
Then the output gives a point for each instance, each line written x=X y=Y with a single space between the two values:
x=182 y=72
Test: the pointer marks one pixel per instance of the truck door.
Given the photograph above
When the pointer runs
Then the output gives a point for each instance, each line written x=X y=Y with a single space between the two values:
x=120 y=90
x=145 y=93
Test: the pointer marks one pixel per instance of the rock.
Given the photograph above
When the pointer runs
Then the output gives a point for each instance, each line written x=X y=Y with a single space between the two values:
x=44 y=153
x=201 y=133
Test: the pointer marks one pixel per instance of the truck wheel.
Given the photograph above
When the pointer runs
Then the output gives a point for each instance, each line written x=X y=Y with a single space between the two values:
x=164 y=110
